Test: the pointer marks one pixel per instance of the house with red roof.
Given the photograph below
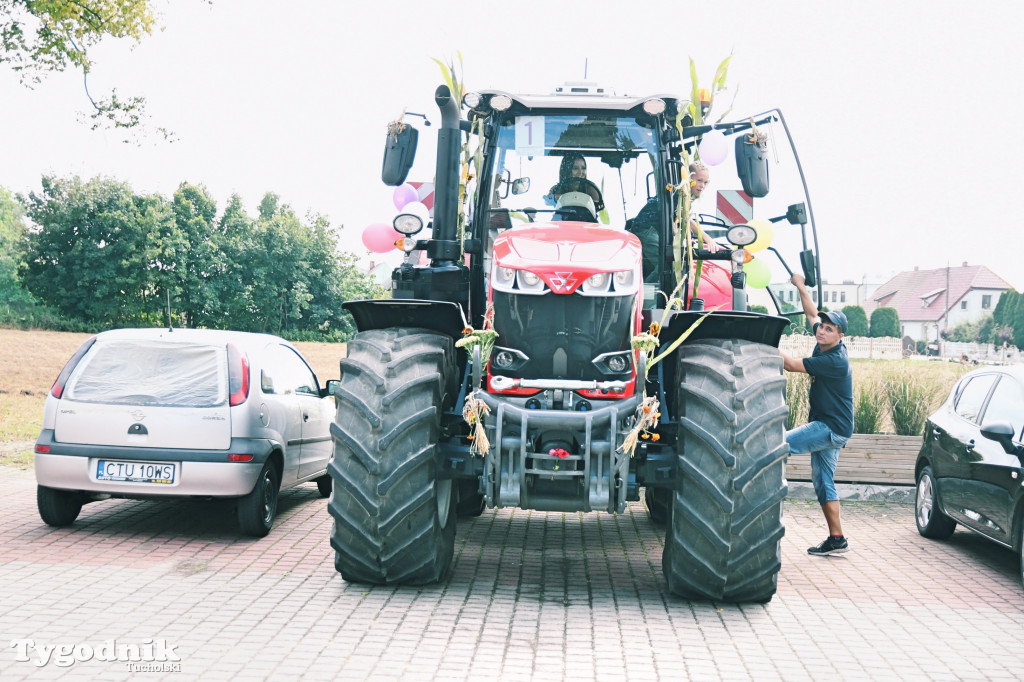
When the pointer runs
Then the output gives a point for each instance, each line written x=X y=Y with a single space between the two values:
x=930 y=301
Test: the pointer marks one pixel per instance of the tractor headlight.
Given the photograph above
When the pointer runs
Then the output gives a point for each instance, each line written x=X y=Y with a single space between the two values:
x=741 y=235
x=623 y=280
x=504 y=278
x=413 y=219
x=501 y=102
x=530 y=282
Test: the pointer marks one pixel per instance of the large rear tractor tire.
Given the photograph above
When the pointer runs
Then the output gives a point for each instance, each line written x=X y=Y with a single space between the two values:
x=394 y=520
x=723 y=541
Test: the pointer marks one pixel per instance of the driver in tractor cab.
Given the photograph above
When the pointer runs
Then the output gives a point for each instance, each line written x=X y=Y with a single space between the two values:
x=572 y=180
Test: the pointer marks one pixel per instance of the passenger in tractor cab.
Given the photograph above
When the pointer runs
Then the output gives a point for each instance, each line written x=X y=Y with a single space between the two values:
x=572 y=177
x=700 y=176
x=645 y=224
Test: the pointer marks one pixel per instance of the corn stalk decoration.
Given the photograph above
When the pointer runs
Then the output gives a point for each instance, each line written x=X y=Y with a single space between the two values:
x=649 y=411
x=698 y=113
x=475 y=409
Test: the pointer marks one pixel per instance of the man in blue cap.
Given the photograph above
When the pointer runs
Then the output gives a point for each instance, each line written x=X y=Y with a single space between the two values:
x=830 y=418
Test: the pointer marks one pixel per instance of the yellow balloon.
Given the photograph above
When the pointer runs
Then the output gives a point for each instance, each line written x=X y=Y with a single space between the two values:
x=765 y=235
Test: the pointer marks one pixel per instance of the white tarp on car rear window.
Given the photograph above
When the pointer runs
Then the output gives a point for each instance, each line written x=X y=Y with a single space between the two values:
x=151 y=373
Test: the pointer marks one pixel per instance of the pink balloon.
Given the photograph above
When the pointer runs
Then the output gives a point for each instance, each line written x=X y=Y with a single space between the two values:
x=380 y=237
x=403 y=195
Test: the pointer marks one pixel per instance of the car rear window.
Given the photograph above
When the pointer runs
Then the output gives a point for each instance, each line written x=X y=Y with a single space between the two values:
x=151 y=372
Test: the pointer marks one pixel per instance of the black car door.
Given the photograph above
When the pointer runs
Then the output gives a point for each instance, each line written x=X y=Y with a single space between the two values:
x=955 y=433
x=993 y=477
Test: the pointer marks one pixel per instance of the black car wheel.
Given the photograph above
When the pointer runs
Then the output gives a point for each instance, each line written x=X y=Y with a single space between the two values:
x=323 y=485
x=1020 y=550
x=57 y=508
x=256 y=510
x=931 y=522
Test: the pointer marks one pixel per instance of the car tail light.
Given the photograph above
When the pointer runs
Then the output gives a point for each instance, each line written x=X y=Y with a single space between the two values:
x=233 y=457
x=43 y=449
x=238 y=375
x=58 y=386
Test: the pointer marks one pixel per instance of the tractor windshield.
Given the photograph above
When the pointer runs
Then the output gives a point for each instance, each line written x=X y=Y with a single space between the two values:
x=592 y=168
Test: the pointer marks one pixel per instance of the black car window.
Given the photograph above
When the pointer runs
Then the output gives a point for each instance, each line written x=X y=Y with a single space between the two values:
x=972 y=396
x=1007 y=405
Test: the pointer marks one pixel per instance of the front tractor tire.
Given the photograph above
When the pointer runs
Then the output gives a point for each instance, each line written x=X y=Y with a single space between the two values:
x=723 y=541
x=394 y=520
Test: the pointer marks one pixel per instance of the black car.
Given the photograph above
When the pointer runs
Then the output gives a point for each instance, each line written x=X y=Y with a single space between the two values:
x=971 y=466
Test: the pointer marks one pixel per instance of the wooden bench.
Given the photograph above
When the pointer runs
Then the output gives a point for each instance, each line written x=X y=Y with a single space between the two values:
x=867 y=459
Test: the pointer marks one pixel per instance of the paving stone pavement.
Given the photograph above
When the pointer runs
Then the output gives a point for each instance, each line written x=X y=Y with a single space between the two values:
x=532 y=596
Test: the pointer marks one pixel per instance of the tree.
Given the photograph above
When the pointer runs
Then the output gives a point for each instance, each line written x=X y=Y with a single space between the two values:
x=95 y=250
x=885 y=322
x=857 y=320
x=13 y=247
x=191 y=253
x=39 y=37
x=1004 y=316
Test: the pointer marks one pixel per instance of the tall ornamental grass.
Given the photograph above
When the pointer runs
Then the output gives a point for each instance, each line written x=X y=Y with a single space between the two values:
x=870 y=406
x=889 y=396
x=911 y=396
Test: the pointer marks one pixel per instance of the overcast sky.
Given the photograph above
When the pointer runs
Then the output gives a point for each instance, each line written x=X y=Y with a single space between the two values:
x=906 y=116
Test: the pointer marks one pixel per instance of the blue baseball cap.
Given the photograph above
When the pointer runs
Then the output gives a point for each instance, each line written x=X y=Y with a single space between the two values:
x=836 y=317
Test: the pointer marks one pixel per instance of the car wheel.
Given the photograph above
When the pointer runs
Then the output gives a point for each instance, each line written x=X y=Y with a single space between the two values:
x=1020 y=551
x=58 y=508
x=931 y=522
x=323 y=485
x=256 y=510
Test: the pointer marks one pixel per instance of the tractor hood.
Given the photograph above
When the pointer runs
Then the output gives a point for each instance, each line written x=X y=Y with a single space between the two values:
x=565 y=254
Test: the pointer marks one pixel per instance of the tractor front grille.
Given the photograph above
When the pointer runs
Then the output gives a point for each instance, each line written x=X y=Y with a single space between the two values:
x=561 y=335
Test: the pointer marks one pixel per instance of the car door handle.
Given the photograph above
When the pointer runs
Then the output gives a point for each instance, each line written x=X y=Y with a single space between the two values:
x=969 y=446
x=936 y=433
x=305 y=418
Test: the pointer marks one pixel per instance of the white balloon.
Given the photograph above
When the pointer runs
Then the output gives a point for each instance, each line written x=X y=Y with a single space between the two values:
x=713 y=148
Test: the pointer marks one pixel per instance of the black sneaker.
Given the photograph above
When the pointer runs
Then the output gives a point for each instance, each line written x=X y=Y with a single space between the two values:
x=831 y=545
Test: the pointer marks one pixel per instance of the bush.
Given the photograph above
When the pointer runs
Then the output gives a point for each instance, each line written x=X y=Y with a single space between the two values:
x=885 y=322
x=857 y=319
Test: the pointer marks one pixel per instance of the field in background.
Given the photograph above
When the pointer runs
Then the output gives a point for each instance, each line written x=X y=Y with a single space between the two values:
x=31 y=360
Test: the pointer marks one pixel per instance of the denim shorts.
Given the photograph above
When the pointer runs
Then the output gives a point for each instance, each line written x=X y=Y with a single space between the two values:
x=824 y=446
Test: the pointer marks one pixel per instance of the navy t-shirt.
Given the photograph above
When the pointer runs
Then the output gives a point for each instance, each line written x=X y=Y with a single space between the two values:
x=831 y=399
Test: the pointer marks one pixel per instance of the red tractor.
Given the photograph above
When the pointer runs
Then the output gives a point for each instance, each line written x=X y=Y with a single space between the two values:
x=511 y=370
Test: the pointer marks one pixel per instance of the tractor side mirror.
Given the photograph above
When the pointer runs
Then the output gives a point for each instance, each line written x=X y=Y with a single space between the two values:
x=520 y=185
x=752 y=165
x=796 y=214
x=809 y=266
x=399 y=152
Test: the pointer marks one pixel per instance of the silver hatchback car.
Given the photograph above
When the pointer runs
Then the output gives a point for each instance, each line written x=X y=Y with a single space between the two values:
x=155 y=413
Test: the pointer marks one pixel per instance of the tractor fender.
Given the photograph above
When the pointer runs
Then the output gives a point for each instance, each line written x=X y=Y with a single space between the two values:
x=439 y=316
x=725 y=324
